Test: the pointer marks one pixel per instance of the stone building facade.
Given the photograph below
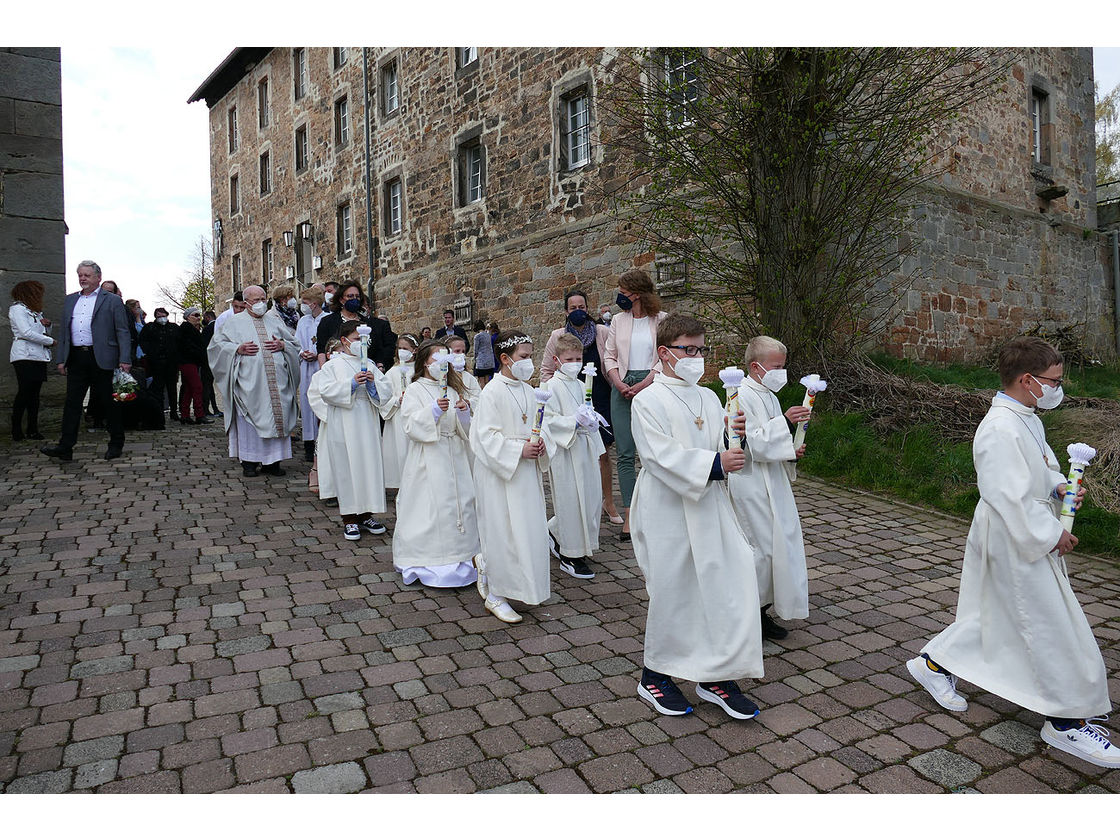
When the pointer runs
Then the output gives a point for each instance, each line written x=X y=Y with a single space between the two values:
x=490 y=167
x=32 y=230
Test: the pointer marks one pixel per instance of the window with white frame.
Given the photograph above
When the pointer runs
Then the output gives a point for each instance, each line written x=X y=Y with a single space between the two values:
x=262 y=103
x=231 y=126
x=390 y=91
x=266 y=174
x=340 y=57
x=302 y=149
x=682 y=87
x=466 y=55
x=575 y=129
x=266 y=262
x=341 y=122
x=299 y=72
x=234 y=195
x=345 y=237
x=235 y=271
x=393 y=206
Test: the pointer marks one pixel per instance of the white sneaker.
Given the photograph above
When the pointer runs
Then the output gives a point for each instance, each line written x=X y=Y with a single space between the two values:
x=941 y=685
x=481 y=583
x=502 y=610
x=1089 y=743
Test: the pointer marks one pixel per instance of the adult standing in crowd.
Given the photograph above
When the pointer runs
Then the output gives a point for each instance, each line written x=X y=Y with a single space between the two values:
x=449 y=328
x=192 y=357
x=630 y=362
x=209 y=401
x=425 y=334
x=236 y=304
x=593 y=337
x=92 y=343
x=257 y=376
x=348 y=305
x=311 y=307
x=135 y=325
x=29 y=355
x=158 y=341
x=285 y=306
x=483 y=354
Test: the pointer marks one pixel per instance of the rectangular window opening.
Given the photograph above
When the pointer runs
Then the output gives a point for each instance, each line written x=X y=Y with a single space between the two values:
x=341 y=123
x=345 y=236
x=393 y=199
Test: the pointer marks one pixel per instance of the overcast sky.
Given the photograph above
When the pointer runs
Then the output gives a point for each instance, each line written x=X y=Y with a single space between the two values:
x=137 y=173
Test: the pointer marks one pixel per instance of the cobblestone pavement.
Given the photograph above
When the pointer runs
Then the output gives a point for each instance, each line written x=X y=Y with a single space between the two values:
x=168 y=626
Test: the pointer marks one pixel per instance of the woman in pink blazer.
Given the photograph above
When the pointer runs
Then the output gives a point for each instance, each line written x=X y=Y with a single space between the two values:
x=630 y=362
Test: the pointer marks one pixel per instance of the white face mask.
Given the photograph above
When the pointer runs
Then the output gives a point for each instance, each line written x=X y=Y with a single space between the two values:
x=433 y=369
x=522 y=369
x=1051 y=397
x=161 y=320
x=327 y=297
x=571 y=369
x=606 y=316
x=259 y=308
x=775 y=379
x=690 y=370
x=404 y=355
x=305 y=308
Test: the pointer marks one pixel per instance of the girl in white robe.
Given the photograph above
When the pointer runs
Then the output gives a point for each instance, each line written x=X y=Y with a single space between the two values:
x=349 y=448
x=574 y=449
x=1019 y=631
x=394 y=442
x=509 y=486
x=436 y=535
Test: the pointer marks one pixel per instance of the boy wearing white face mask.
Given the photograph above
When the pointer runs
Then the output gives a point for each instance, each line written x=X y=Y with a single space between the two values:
x=509 y=486
x=698 y=565
x=575 y=447
x=763 y=498
x=1020 y=632
x=394 y=442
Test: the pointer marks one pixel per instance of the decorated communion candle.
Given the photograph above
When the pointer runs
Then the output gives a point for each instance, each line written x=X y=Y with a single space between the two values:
x=813 y=386
x=1080 y=454
x=542 y=396
x=588 y=379
x=364 y=331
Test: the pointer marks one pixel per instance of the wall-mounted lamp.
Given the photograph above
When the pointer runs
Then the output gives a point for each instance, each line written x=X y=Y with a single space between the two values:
x=305 y=230
x=317 y=262
x=289 y=238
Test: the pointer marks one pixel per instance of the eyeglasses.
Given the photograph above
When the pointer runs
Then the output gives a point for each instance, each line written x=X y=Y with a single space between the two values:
x=690 y=350
x=1057 y=382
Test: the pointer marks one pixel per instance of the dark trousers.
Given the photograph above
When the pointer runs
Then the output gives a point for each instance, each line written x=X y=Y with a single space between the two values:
x=209 y=401
x=83 y=374
x=190 y=392
x=165 y=378
x=29 y=378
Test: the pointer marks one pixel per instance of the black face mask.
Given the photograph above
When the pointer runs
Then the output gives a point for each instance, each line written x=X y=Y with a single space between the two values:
x=354 y=305
x=577 y=317
x=624 y=303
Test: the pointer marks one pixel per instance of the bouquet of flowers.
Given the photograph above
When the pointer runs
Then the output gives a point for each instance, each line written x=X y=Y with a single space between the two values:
x=124 y=386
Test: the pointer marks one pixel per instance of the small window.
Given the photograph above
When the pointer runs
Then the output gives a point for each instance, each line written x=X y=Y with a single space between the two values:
x=339 y=57
x=234 y=195
x=466 y=55
x=682 y=87
x=266 y=174
x=266 y=262
x=390 y=92
x=234 y=136
x=299 y=72
x=575 y=129
x=341 y=123
x=235 y=272
x=345 y=237
x=1041 y=127
x=393 y=200
x=302 y=150
x=262 y=102
x=471 y=175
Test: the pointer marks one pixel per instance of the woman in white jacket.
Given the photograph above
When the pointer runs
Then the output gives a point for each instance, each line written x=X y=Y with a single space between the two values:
x=30 y=354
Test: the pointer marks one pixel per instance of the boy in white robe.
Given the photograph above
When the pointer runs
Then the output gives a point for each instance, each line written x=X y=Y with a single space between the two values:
x=436 y=536
x=346 y=399
x=1019 y=631
x=509 y=486
x=575 y=447
x=702 y=622
x=394 y=442
x=763 y=498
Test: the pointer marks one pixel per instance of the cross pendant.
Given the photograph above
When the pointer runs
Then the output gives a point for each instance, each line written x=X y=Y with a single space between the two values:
x=699 y=421
x=524 y=418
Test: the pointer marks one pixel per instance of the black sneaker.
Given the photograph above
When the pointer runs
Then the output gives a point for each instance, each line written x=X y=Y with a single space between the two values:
x=274 y=469
x=728 y=695
x=351 y=531
x=554 y=547
x=576 y=567
x=372 y=526
x=662 y=693
x=770 y=628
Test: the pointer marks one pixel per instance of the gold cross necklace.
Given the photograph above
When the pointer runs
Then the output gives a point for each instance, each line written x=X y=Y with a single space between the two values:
x=698 y=419
x=524 y=410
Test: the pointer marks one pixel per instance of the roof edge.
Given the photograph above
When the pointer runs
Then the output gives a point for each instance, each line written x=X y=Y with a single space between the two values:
x=227 y=74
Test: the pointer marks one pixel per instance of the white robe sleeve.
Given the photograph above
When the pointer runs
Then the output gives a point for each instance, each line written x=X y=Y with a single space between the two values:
x=559 y=422
x=420 y=424
x=497 y=452
x=334 y=386
x=769 y=440
x=685 y=470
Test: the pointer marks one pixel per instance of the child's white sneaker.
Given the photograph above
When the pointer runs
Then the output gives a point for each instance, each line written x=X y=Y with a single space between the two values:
x=1089 y=743
x=481 y=582
x=941 y=685
x=502 y=610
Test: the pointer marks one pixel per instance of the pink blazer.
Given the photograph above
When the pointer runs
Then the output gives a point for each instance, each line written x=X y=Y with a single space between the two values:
x=548 y=364
x=617 y=356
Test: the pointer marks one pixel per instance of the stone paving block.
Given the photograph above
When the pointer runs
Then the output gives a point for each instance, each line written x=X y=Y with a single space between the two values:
x=515 y=787
x=615 y=772
x=95 y=773
x=946 y=768
x=1014 y=737
x=58 y=781
x=277 y=761
x=347 y=777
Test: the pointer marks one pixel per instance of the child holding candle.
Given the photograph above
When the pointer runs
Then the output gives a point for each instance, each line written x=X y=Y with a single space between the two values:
x=1019 y=631
x=436 y=535
x=394 y=442
x=577 y=491
x=763 y=498
x=508 y=481
x=346 y=399
x=699 y=568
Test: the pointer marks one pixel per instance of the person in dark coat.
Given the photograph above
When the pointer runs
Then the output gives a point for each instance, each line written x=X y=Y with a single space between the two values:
x=158 y=341
x=449 y=328
x=192 y=357
x=209 y=402
x=349 y=304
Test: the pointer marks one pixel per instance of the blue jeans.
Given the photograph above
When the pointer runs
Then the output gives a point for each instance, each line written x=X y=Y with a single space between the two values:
x=623 y=439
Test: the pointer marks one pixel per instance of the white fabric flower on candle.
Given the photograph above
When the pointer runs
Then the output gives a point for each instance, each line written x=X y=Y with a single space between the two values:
x=732 y=379
x=813 y=383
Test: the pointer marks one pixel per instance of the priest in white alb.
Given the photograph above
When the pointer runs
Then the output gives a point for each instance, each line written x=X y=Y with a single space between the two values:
x=257 y=373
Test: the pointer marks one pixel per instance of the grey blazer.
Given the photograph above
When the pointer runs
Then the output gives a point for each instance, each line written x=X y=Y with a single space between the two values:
x=112 y=343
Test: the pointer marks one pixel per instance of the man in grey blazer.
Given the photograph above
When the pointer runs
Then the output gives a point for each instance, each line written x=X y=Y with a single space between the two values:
x=93 y=342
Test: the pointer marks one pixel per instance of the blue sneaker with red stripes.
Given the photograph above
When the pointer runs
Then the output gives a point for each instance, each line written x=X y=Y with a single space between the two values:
x=662 y=693
x=726 y=694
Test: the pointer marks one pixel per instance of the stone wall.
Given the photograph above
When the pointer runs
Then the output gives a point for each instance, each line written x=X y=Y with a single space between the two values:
x=32 y=230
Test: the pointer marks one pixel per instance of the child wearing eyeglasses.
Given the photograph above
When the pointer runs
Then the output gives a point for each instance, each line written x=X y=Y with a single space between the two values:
x=1019 y=631
x=702 y=622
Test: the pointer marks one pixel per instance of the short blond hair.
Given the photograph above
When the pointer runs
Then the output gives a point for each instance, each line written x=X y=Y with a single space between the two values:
x=567 y=341
x=313 y=294
x=282 y=293
x=762 y=346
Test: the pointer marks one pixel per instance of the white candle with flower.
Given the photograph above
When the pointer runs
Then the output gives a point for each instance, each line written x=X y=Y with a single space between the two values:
x=813 y=386
x=588 y=378
x=442 y=358
x=732 y=378
x=542 y=396
x=363 y=344
x=1080 y=454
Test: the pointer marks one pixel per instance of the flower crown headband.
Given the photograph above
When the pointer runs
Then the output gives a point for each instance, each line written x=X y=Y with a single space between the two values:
x=513 y=341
